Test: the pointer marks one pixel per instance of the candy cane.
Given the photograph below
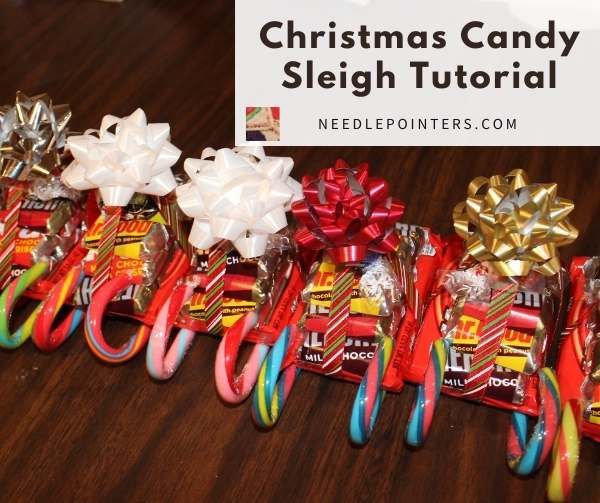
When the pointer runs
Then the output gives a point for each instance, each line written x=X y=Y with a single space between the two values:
x=370 y=394
x=46 y=338
x=526 y=456
x=273 y=386
x=428 y=395
x=232 y=388
x=565 y=455
x=14 y=198
x=160 y=365
x=9 y=298
x=93 y=324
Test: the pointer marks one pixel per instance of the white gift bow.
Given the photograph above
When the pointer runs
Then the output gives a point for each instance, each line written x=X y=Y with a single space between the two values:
x=136 y=157
x=240 y=195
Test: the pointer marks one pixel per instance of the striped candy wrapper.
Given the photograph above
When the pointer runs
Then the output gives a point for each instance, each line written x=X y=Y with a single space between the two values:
x=337 y=325
x=490 y=338
x=14 y=197
x=106 y=246
x=215 y=288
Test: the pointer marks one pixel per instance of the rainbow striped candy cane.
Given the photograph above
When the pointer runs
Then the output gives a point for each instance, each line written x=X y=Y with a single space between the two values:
x=46 y=338
x=565 y=455
x=93 y=324
x=162 y=364
x=428 y=395
x=370 y=395
x=526 y=456
x=273 y=386
x=232 y=388
x=9 y=298
x=14 y=198
x=429 y=392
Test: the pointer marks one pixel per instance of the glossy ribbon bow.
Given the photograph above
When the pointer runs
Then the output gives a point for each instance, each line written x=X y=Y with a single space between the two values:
x=125 y=156
x=513 y=225
x=240 y=195
x=32 y=134
x=348 y=213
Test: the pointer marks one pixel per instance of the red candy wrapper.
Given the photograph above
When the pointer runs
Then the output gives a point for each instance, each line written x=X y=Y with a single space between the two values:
x=145 y=250
x=268 y=284
x=371 y=279
x=500 y=293
x=579 y=362
x=47 y=230
x=389 y=293
x=458 y=311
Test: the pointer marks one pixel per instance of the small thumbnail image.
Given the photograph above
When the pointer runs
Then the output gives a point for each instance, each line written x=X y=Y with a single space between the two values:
x=262 y=124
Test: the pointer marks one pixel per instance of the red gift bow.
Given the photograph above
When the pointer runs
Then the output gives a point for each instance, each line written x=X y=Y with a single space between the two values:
x=347 y=213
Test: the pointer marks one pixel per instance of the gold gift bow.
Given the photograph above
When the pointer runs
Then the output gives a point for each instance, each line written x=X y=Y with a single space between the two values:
x=32 y=135
x=513 y=225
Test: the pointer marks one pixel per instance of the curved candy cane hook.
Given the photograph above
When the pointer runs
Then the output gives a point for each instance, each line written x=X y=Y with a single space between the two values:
x=565 y=455
x=370 y=395
x=274 y=385
x=44 y=336
x=526 y=456
x=428 y=395
x=93 y=324
x=232 y=388
x=162 y=364
x=9 y=298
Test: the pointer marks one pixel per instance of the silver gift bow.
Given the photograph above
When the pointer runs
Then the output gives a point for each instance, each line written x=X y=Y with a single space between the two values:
x=32 y=136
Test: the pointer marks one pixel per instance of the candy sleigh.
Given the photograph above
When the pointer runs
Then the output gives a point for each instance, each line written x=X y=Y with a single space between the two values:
x=578 y=375
x=40 y=219
x=491 y=331
x=132 y=258
x=363 y=296
x=243 y=280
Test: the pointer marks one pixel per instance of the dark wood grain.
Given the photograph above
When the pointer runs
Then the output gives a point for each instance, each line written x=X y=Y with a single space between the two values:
x=74 y=429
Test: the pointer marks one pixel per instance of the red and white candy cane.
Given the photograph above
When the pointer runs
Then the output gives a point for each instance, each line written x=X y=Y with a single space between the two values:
x=93 y=323
x=44 y=336
x=236 y=388
x=160 y=362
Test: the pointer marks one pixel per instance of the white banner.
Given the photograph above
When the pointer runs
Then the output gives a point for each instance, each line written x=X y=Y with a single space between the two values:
x=417 y=72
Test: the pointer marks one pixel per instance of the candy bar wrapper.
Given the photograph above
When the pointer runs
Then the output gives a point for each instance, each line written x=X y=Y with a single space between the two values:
x=269 y=283
x=458 y=312
x=145 y=249
x=388 y=294
x=48 y=230
x=579 y=362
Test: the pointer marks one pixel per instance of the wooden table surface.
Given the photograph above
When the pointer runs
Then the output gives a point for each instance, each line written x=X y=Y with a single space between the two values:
x=75 y=429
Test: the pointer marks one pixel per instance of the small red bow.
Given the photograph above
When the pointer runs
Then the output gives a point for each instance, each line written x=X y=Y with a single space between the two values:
x=347 y=213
